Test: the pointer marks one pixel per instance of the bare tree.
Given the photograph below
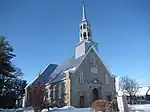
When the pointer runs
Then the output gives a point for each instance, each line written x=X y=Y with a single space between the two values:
x=37 y=98
x=37 y=95
x=130 y=85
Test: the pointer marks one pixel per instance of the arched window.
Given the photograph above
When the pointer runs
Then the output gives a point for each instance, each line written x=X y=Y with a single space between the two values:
x=84 y=35
x=84 y=26
x=59 y=90
x=46 y=95
x=81 y=78
x=89 y=34
x=106 y=78
x=85 y=38
x=81 y=27
x=54 y=91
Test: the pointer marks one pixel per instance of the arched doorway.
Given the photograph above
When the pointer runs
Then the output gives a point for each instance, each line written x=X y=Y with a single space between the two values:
x=95 y=94
x=109 y=97
x=81 y=101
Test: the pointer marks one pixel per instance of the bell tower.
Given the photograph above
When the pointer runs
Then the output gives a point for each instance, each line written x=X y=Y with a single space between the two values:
x=85 y=35
x=85 y=30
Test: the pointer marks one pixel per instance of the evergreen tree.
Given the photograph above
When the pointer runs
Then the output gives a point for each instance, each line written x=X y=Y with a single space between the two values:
x=6 y=67
x=11 y=84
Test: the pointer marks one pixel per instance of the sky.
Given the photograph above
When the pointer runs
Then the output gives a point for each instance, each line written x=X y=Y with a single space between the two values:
x=47 y=31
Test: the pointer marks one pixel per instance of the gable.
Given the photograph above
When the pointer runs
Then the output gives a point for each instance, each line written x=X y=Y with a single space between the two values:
x=92 y=53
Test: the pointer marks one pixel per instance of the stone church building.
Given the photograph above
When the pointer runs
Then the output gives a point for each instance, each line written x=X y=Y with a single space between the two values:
x=81 y=79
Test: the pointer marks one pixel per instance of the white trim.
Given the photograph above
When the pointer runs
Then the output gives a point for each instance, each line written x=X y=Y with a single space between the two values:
x=70 y=70
x=63 y=79
x=92 y=47
x=66 y=71
x=31 y=82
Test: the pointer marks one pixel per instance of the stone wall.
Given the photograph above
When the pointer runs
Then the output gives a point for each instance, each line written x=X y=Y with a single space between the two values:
x=53 y=89
x=67 y=89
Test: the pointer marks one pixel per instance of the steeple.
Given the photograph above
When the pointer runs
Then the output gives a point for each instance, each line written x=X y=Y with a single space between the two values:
x=85 y=30
x=85 y=35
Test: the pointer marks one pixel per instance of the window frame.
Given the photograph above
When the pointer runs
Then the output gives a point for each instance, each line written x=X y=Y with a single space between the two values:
x=81 y=78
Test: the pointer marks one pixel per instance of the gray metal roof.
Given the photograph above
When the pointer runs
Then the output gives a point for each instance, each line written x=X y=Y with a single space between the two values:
x=59 y=74
x=54 y=73
x=46 y=74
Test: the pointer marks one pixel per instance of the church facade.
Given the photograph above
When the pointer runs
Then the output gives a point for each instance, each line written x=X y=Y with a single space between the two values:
x=81 y=79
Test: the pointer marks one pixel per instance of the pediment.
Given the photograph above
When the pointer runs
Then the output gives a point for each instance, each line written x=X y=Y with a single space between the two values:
x=94 y=69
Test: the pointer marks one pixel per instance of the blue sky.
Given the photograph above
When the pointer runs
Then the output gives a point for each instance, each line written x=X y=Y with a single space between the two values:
x=46 y=31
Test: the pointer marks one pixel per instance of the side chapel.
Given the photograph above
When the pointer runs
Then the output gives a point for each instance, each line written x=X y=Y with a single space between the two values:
x=81 y=79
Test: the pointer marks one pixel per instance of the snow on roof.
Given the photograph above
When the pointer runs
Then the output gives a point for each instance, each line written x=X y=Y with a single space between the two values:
x=70 y=70
x=68 y=64
x=142 y=91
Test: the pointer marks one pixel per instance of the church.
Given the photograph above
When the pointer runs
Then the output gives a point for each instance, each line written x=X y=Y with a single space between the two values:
x=79 y=80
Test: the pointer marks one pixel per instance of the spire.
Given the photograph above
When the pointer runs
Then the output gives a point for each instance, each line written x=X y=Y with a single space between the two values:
x=85 y=35
x=84 y=10
x=85 y=30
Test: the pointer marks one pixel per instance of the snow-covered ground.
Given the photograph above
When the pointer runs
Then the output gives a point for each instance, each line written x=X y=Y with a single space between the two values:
x=64 y=109
x=140 y=108
x=132 y=108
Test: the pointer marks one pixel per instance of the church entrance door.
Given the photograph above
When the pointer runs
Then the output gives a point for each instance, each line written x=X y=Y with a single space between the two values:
x=81 y=101
x=95 y=94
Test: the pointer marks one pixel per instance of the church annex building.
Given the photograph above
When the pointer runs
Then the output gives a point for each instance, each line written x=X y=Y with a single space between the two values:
x=79 y=80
